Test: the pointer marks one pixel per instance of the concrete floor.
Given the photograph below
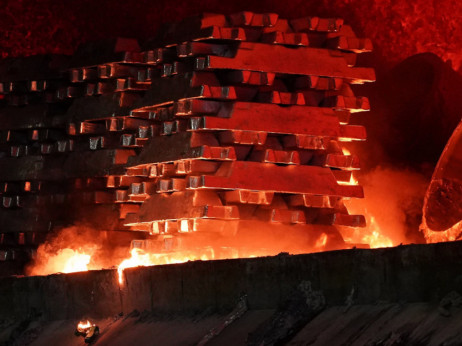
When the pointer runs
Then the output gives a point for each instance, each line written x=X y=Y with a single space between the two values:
x=380 y=324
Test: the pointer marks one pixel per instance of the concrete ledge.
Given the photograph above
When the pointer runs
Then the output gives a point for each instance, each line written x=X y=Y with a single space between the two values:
x=412 y=273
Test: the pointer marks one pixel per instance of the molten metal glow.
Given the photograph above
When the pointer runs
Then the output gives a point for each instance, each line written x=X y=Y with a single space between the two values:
x=63 y=261
x=345 y=151
x=374 y=237
x=84 y=325
x=321 y=242
x=67 y=255
x=139 y=257
x=76 y=261
x=451 y=234
x=353 y=180
x=70 y=251
x=373 y=234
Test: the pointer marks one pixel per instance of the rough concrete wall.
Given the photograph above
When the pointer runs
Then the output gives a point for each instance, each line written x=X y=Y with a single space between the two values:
x=414 y=273
x=93 y=294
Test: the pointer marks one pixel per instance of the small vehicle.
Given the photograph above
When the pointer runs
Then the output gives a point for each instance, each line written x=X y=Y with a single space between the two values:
x=88 y=330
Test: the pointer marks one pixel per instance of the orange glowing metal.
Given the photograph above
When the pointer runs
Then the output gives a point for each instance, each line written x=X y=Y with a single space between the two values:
x=345 y=151
x=77 y=262
x=353 y=181
x=139 y=257
x=451 y=234
x=65 y=260
x=373 y=234
x=321 y=242
x=68 y=260
x=84 y=325
x=375 y=238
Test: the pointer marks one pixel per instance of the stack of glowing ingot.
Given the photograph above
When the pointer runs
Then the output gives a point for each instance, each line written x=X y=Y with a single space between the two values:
x=220 y=125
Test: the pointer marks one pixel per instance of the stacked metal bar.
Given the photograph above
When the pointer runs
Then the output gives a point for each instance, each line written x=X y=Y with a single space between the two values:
x=34 y=97
x=58 y=153
x=250 y=111
x=104 y=132
x=218 y=126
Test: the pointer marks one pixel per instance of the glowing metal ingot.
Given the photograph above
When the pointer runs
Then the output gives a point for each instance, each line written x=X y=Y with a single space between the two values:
x=242 y=137
x=276 y=156
x=184 y=205
x=303 y=60
x=342 y=161
x=248 y=197
x=312 y=121
x=267 y=177
x=339 y=219
x=315 y=201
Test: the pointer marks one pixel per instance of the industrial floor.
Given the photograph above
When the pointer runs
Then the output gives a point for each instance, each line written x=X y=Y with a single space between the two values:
x=380 y=324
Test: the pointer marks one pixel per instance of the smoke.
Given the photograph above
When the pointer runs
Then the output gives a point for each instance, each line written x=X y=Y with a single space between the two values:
x=415 y=107
x=75 y=248
x=392 y=206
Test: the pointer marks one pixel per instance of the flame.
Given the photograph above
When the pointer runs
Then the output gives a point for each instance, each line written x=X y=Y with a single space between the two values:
x=345 y=151
x=321 y=242
x=79 y=249
x=74 y=252
x=353 y=181
x=69 y=260
x=373 y=234
x=139 y=258
x=375 y=238
x=76 y=261
x=84 y=325
x=65 y=260
x=71 y=251
x=74 y=249
x=254 y=248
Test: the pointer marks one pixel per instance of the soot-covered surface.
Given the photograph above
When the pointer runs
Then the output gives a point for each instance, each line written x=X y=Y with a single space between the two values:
x=399 y=29
x=378 y=324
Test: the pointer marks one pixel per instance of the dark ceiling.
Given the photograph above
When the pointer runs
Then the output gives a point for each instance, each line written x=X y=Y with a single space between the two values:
x=398 y=28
